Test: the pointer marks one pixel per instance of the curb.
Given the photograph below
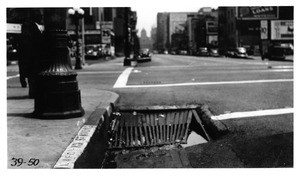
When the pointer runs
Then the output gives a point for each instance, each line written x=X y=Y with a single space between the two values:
x=87 y=150
x=215 y=128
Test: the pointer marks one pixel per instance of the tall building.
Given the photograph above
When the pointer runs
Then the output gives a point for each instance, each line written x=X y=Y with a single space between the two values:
x=192 y=22
x=145 y=41
x=187 y=30
x=162 y=40
x=153 y=33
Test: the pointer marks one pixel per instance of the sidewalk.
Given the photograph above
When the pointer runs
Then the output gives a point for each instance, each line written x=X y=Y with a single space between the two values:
x=35 y=143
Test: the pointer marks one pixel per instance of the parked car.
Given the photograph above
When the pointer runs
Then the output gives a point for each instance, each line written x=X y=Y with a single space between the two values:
x=203 y=51
x=12 y=54
x=279 y=51
x=173 y=52
x=144 y=55
x=93 y=51
x=183 y=52
x=214 y=52
x=239 y=52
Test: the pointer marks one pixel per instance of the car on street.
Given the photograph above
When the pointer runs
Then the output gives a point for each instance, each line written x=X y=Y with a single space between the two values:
x=203 y=51
x=144 y=55
x=214 y=52
x=12 y=54
x=93 y=51
x=280 y=51
x=238 y=52
x=183 y=52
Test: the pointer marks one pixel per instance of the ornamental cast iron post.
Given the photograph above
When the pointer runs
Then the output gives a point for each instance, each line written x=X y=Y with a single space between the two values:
x=57 y=95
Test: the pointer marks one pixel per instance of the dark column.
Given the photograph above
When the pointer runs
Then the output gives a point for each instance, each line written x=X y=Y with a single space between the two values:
x=127 y=47
x=78 y=59
x=57 y=95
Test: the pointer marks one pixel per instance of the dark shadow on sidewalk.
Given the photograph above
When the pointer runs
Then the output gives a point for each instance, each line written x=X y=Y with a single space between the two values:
x=18 y=97
x=26 y=115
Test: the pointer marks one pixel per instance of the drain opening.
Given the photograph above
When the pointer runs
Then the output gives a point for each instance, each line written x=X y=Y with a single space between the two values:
x=151 y=82
x=143 y=133
x=156 y=128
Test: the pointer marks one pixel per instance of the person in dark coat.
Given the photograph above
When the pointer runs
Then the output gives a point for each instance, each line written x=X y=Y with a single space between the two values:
x=30 y=51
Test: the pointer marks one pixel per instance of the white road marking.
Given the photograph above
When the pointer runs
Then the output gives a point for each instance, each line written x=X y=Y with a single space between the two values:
x=282 y=67
x=268 y=112
x=122 y=83
x=123 y=78
x=14 y=76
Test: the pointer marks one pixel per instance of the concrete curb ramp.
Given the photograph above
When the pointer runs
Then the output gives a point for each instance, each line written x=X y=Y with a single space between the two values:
x=81 y=151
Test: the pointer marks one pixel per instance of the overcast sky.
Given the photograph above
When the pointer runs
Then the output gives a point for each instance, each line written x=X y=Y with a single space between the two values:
x=147 y=11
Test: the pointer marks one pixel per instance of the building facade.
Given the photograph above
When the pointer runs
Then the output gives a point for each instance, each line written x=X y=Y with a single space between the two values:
x=96 y=22
x=187 y=30
x=162 y=39
x=253 y=26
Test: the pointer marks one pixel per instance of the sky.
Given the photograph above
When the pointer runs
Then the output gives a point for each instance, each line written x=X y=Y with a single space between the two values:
x=147 y=12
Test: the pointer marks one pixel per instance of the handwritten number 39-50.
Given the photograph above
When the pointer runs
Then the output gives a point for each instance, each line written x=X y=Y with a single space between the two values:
x=19 y=161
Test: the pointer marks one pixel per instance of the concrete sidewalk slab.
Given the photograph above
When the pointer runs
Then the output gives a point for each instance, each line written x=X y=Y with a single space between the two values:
x=44 y=141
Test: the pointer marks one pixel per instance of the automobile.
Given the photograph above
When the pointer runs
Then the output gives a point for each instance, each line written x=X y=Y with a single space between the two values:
x=12 y=54
x=173 y=52
x=214 y=52
x=238 y=52
x=279 y=51
x=93 y=51
x=203 y=51
x=183 y=52
x=144 y=55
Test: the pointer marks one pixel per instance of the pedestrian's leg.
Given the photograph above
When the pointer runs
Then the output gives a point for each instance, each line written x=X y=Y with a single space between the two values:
x=23 y=80
x=32 y=89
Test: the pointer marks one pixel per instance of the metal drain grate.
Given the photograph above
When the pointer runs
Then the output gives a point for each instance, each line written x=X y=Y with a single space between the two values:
x=151 y=128
x=151 y=82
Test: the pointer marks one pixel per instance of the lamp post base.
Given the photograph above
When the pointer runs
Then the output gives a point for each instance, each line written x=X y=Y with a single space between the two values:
x=58 y=96
x=127 y=61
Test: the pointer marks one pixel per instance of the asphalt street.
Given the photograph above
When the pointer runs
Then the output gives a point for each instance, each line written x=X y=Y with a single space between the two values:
x=261 y=91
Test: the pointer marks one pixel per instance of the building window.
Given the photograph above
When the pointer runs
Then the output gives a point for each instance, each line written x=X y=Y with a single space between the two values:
x=88 y=19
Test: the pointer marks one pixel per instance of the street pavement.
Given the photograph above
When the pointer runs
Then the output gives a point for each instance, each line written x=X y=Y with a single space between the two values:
x=46 y=140
x=229 y=86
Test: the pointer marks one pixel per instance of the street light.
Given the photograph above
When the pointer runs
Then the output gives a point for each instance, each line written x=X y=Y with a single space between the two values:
x=57 y=92
x=77 y=13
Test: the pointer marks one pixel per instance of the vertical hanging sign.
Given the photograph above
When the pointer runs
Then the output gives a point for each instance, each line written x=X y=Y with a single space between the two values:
x=263 y=29
x=106 y=28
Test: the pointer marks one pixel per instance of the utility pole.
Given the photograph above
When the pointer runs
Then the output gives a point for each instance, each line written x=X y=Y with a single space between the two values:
x=127 y=47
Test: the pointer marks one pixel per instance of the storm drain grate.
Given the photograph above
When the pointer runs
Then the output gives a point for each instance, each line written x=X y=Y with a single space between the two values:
x=151 y=128
x=151 y=82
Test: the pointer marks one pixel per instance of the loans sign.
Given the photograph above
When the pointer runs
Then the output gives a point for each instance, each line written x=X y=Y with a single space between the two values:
x=258 y=12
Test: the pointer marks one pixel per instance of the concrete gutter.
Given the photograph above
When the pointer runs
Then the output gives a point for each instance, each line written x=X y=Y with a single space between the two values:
x=87 y=150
